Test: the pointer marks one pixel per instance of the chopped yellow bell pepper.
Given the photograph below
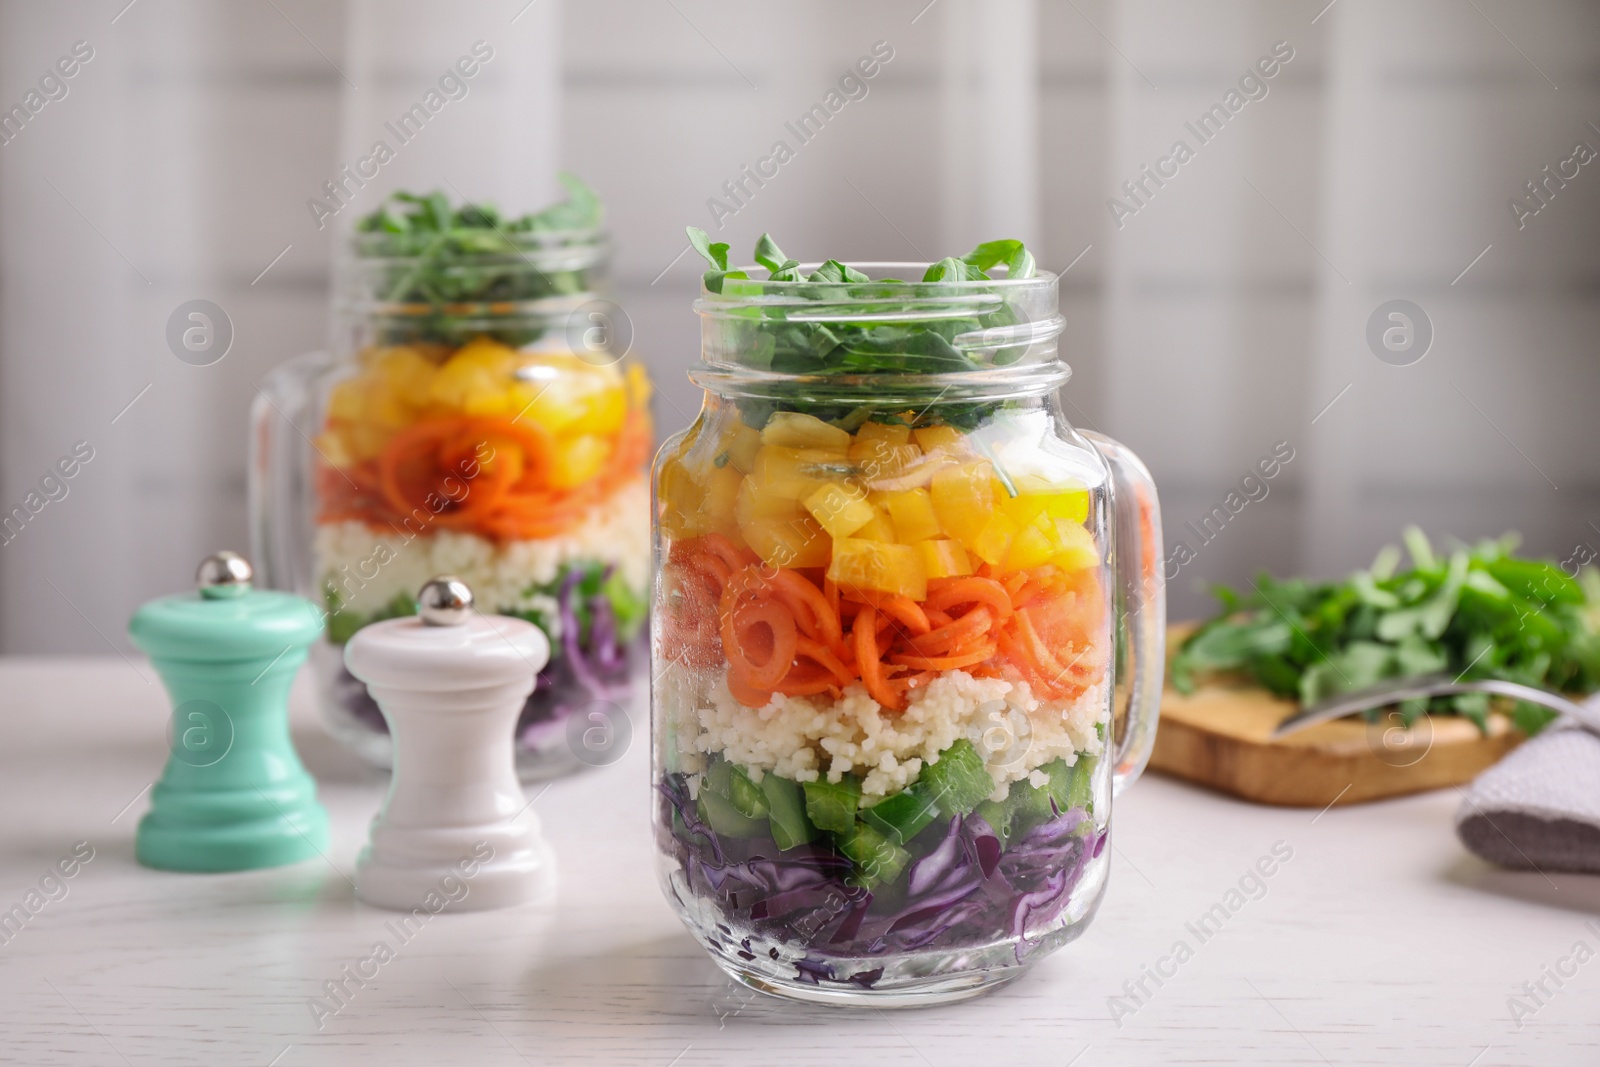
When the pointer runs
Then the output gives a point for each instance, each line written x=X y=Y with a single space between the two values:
x=1070 y=504
x=722 y=496
x=912 y=512
x=880 y=459
x=347 y=400
x=792 y=472
x=1077 y=549
x=878 y=567
x=791 y=429
x=789 y=542
x=752 y=505
x=741 y=446
x=994 y=540
x=578 y=459
x=840 y=507
x=406 y=372
x=1033 y=546
x=879 y=528
x=680 y=499
x=963 y=499
x=888 y=433
x=933 y=438
x=944 y=558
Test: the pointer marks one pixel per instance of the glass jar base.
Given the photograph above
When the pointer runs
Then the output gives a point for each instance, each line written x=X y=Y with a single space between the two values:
x=914 y=992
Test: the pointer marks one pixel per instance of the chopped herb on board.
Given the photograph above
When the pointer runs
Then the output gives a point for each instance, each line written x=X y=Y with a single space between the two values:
x=1477 y=612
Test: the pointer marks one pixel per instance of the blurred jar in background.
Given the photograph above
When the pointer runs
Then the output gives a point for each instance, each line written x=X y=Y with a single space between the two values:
x=478 y=417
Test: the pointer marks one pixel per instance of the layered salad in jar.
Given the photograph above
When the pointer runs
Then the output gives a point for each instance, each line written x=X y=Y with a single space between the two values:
x=882 y=649
x=473 y=437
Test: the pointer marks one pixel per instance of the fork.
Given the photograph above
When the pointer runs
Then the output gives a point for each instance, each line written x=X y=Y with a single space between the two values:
x=1432 y=685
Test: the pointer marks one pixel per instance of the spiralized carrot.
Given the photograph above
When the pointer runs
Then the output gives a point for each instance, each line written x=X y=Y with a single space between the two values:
x=824 y=658
x=800 y=594
x=486 y=474
x=946 y=663
x=974 y=623
x=741 y=623
x=945 y=593
x=896 y=606
x=791 y=631
x=867 y=661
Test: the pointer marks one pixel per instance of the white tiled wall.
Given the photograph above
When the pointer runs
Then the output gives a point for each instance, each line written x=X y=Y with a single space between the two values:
x=1219 y=320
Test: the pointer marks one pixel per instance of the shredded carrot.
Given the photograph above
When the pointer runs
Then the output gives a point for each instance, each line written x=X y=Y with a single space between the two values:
x=897 y=606
x=795 y=591
x=486 y=474
x=792 y=631
x=867 y=661
x=824 y=657
x=974 y=623
x=947 y=663
x=945 y=593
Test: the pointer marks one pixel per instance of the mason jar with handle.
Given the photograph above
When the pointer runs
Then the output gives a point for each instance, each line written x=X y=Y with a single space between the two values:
x=907 y=633
x=478 y=415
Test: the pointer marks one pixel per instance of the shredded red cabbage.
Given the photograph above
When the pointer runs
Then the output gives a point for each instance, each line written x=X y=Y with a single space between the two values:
x=965 y=890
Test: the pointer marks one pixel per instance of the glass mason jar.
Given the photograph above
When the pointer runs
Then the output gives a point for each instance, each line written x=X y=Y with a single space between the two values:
x=477 y=418
x=907 y=638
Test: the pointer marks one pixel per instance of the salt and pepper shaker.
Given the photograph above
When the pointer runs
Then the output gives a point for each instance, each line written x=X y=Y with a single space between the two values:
x=451 y=683
x=234 y=795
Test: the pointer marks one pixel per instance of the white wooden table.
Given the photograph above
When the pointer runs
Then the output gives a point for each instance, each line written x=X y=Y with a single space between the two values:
x=1380 y=941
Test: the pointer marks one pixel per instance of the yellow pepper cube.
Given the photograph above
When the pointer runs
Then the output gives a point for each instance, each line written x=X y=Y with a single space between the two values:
x=347 y=400
x=875 y=566
x=1076 y=548
x=604 y=411
x=578 y=459
x=722 y=496
x=912 y=512
x=331 y=444
x=407 y=372
x=1032 y=547
x=944 y=558
x=680 y=500
x=879 y=528
x=888 y=433
x=794 y=473
x=752 y=505
x=880 y=459
x=963 y=499
x=789 y=542
x=841 y=508
x=791 y=429
x=741 y=446
x=639 y=386
x=488 y=401
x=994 y=540
x=933 y=438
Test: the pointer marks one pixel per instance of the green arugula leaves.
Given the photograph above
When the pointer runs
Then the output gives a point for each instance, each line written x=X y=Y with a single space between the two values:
x=423 y=252
x=892 y=329
x=1477 y=612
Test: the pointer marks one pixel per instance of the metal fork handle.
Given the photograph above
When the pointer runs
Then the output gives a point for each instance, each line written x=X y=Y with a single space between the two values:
x=1337 y=707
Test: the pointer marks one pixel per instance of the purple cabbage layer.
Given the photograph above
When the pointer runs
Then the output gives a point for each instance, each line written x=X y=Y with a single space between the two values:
x=965 y=891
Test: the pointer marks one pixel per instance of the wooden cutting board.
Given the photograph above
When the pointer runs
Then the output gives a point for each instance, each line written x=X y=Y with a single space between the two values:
x=1220 y=736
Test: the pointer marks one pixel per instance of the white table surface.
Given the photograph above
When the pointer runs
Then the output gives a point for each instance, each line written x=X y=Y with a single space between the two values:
x=1380 y=941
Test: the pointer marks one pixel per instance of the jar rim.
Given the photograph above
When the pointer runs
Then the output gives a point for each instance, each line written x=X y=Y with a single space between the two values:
x=519 y=240
x=990 y=383
x=1043 y=279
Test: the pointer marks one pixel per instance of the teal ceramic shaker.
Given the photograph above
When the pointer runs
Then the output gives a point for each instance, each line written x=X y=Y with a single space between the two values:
x=234 y=795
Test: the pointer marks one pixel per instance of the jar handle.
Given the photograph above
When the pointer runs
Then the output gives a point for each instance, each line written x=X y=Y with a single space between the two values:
x=283 y=421
x=1141 y=603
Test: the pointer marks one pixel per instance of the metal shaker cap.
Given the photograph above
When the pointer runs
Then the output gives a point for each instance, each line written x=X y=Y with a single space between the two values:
x=444 y=601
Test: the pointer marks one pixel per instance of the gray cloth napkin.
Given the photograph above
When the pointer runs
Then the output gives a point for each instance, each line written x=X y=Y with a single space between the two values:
x=1539 y=808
